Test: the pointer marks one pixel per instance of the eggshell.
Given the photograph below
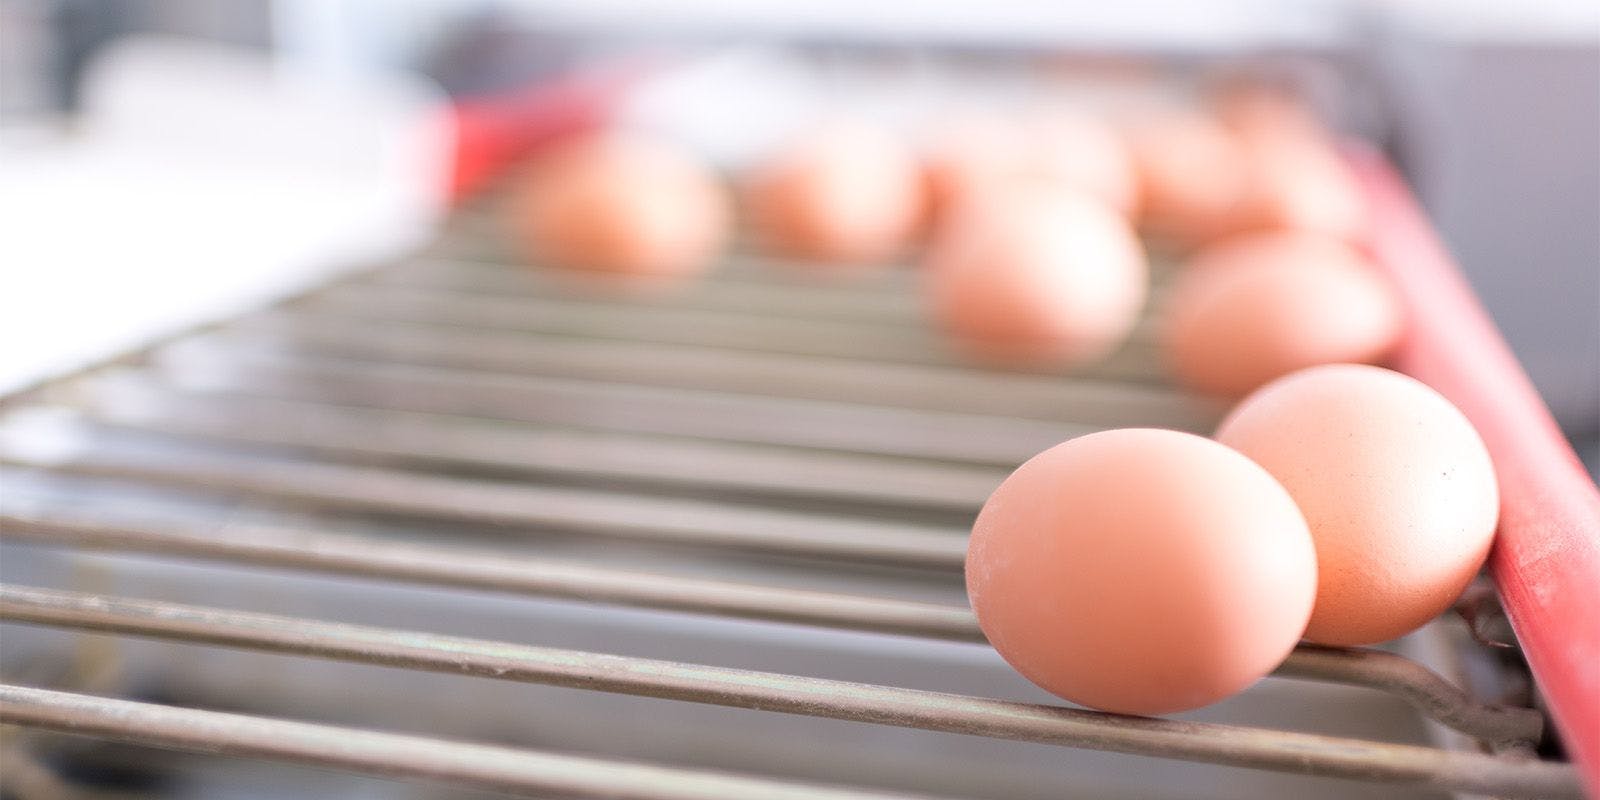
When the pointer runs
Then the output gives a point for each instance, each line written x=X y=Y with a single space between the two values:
x=1395 y=484
x=1302 y=182
x=975 y=155
x=1248 y=107
x=845 y=194
x=621 y=205
x=1194 y=175
x=1262 y=306
x=1036 y=274
x=1141 y=571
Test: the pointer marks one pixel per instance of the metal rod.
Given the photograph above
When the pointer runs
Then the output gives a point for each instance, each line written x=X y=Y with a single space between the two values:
x=463 y=441
x=390 y=755
x=903 y=433
x=1083 y=397
x=856 y=339
x=808 y=299
x=1419 y=686
x=262 y=545
x=516 y=506
x=880 y=298
x=357 y=556
x=1284 y=751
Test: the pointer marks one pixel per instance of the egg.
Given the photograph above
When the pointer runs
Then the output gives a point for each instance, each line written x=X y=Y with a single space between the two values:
x=1141 y=571
x=974 y=156
x=1249 y=106
x=1396 y=486
x=621 y=205
x=1036 y=275
x=1260 y=306
x=845 y=194
x=1300 y=181
x=1194 y=176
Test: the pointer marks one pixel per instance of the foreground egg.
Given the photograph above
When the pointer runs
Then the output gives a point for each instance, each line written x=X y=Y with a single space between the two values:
x=621 y=206
x=1141 y=571
x=1036 y=274
x=846 y=194
x=1395 y=484
x=1260 y=306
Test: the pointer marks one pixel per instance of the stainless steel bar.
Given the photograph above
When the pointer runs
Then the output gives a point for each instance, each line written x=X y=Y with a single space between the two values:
x=464 y=441
x=595 y=318
x=519 y=507
x=1419 y=686
x=1231 y=745
x=887 y=296
x=767 y=334
x=356 y=556
x=1059 y=398
x=962 y=438
x=851 y=300
x=294 y=548
x=504 y=769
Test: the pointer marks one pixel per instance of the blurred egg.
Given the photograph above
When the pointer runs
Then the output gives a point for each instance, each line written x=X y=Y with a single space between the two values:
x=1036 y=274
x=845 y=194
x=1141 y=571
x=1248 y=106
x=1396 y=486
x=1263 y=305
x=1194 y=173
x=621 y=205
x=1300 y=181
x=973 y=156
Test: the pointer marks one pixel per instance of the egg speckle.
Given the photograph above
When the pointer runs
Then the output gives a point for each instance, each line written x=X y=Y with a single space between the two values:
x=1036 y=274
x=1141 y=571
x=1396 y=486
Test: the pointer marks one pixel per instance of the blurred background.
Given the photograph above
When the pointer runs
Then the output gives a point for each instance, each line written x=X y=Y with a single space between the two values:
x=140 y=139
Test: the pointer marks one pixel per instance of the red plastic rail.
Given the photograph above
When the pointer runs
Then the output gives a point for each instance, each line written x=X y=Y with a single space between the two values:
x=1546 y=558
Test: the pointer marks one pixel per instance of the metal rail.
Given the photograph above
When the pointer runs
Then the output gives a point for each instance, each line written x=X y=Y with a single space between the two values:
x=503 y=769
x=809 y=299
x=523 y=509
x=1284 y=751
x=410 y=437
x=257 y=545
x=852 y=428
x=740 y=330
x=1081 y=396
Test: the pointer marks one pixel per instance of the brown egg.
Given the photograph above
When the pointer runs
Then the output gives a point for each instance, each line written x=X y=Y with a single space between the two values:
x=1195 y=176
x=976 y=155
x=1264 y=305
x=1036 y=274
x=1395 y=484
x=845 y=194
x=1141 y=571
x=1301 y=182
x=1247 y=106
x=621 y=205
